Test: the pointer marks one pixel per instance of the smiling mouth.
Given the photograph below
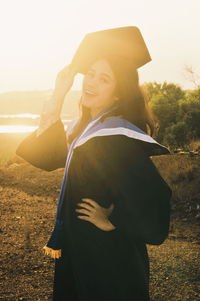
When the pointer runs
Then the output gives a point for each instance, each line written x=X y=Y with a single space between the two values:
x=89 y=93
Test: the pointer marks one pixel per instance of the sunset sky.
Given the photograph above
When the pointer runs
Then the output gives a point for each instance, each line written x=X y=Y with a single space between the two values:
x=39 y=37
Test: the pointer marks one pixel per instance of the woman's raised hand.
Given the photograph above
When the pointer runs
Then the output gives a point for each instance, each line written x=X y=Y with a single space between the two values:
x=64 y=81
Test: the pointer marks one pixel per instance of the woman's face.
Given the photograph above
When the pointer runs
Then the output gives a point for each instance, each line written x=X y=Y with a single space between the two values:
x=98 y=89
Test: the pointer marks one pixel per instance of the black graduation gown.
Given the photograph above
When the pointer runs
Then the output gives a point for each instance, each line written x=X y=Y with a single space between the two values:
x=95 y=264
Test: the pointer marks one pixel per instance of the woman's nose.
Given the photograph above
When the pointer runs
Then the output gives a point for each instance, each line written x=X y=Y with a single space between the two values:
x=92 y=82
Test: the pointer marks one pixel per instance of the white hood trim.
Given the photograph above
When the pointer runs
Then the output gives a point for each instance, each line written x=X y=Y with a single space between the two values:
x=115 y=125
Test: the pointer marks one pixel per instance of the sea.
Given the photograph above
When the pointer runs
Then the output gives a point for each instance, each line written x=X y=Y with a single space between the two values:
x=23 y=123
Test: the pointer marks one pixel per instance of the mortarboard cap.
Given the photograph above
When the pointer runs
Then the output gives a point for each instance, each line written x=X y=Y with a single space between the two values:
x=124 y=42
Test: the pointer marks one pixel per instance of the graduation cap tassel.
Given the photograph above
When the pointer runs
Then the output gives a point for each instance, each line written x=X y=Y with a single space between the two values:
x=52 y=253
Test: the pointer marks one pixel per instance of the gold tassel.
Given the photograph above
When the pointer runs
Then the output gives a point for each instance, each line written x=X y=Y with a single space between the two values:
x=52 y=253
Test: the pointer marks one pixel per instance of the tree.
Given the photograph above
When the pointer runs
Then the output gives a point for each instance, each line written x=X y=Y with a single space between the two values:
x=164 y=102
x=176 y=135
x=177 y=111
x=192 y=75
x=189 y=112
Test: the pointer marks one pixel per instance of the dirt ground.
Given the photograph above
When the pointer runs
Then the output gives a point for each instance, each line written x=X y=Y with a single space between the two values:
x=28 y=202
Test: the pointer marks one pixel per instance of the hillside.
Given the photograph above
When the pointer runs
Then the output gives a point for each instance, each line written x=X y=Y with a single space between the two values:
x=19 y=102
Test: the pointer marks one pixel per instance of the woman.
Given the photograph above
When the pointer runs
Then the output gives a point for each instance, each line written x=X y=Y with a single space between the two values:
x=113 y=200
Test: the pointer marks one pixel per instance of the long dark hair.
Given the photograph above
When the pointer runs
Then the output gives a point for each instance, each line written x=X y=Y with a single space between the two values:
x=132 y=104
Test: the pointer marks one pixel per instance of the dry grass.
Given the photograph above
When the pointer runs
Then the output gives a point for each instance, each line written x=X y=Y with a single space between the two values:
x=8 y=144
x=182 y=173
x=195 y=145
x=174 y=271
x=28 y=204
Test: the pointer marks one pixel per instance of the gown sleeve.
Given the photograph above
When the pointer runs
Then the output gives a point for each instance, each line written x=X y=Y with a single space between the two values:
x=46 y=147
x=141 y=196
x=50 y=114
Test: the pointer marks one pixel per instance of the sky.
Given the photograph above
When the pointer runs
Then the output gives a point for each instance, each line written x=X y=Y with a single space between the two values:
x=39 y=37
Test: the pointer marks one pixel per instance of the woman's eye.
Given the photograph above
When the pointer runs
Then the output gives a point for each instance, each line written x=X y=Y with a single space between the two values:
x=104 y=80
x=89 y=73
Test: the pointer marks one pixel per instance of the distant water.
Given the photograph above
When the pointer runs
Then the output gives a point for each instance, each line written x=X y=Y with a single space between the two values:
x=25 y=115
x=17 y=128
x=23 y=128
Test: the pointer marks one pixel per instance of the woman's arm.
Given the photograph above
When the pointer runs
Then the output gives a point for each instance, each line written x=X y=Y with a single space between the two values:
x=50 y=114
x=142 y=197
x=46 y=147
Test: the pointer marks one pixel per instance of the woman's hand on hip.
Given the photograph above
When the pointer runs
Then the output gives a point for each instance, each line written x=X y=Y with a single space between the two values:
x=96 y=214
